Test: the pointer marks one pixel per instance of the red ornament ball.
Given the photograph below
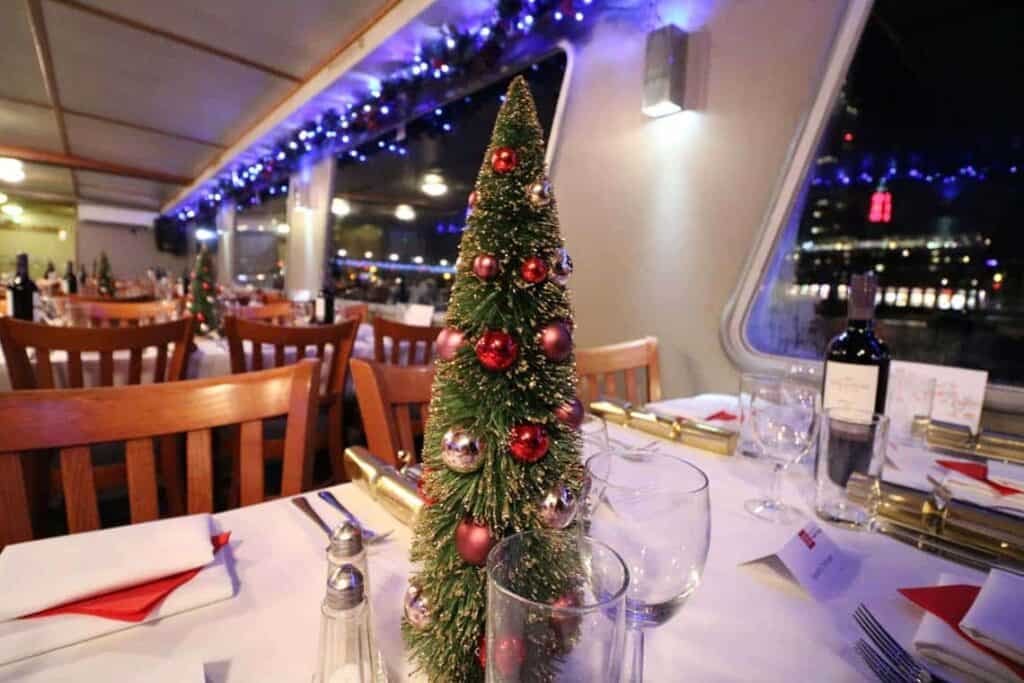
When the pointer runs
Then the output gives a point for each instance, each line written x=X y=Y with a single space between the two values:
x=206 y=286
x=486 y=266
x=509 y=654
x=570 y=413
x=528 y=442
x=556 y=341
x=472 y=200
x=504 y=160
x=481 y=651
x=200 y=317
x=473 y=541
x=448 y=342
x=497 y=350
x=534 y=270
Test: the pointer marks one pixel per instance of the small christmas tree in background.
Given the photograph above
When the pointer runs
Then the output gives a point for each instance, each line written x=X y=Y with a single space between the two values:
x=203 y=292
x=104 y=278
x=501 y=450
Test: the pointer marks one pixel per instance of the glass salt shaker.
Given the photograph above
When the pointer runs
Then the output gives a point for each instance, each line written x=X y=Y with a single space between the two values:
x=345 y=638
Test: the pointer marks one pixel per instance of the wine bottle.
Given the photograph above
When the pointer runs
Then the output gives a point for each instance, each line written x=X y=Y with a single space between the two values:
x=325 y=302
x=70 y=281
x=22 y=292
x=857 y=361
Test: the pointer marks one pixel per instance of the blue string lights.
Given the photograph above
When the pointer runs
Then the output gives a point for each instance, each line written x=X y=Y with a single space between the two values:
x=360 y=130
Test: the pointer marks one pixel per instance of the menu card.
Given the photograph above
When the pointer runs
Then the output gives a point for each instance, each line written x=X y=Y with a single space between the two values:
x=814 y=561
x=959 y=392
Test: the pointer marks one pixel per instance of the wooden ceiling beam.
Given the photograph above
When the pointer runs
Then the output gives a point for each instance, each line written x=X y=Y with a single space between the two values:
x=76 y=163
x=180 y=39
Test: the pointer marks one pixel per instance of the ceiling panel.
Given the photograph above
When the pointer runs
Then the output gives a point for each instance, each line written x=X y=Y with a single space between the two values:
x=41 y=182
x=21 y=76
x=112 y=70
x=25 y=125
x=110 y=189
x=108 y=141
x=292 y=37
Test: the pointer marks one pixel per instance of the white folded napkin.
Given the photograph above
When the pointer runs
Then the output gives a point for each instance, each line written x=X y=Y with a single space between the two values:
x=23 y=638
x=699 y=408
x=109 y=666
x=996 y=619
x=1006 y=474
x=937 y=641
x=46 y=573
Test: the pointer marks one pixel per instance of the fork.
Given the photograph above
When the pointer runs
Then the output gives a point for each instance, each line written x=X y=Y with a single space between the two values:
x=899 y=658
x=370 y=535
x=885 y=672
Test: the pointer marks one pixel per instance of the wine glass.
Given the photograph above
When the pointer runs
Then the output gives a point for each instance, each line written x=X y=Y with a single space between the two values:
x=594 y=431
x=784 y=420
x=303 y=312
x=654 y=510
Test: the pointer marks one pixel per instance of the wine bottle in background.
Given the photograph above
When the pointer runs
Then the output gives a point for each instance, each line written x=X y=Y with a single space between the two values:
x=857 y=362
x=83 y=275
x=22 y=292
x=70 y=281
x=325 y=301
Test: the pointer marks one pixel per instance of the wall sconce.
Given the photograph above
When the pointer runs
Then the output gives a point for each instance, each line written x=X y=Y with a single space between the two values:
x=664 y=71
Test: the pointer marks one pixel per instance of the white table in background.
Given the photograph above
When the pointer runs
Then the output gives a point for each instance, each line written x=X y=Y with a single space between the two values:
x=743 y=624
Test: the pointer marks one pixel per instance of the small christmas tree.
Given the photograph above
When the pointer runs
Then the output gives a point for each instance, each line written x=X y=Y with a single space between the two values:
x=104 y=278
x=501 y=450
x=203 y=292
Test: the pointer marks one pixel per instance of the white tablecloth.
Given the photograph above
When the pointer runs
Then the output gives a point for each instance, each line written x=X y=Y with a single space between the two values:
x=743 y=624
x=211 y=359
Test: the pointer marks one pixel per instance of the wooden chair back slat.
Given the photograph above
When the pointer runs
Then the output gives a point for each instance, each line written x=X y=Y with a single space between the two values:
x=135 y=366
x=415 y=337
x=140 y=467
x=73 y=419
x=44 y=370
x=257 y=356
x=279 y=312
x=133 y=314
x=160 y=367
x=279 y=355
x=356 y=312
x=79 y=489
x=386 y=395
x=107 y=368
x=251 y=484
x=599 y=367
x=76 y=378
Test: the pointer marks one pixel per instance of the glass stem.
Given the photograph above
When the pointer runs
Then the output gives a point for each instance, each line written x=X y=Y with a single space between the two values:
x=774 y=494
x=635 y=654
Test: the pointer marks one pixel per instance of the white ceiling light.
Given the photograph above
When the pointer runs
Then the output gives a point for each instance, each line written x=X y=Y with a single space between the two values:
x=340 y=207
x=205 y=234
x=3 y=198
x=11 y=170
x=404 y=212
x=368 y=254
x=12 y=210
x=62 y=235
x=243 y=228
x=283 y=228
x=343 y=253
x=392 y=257
x=417 y=260
x=434 y=185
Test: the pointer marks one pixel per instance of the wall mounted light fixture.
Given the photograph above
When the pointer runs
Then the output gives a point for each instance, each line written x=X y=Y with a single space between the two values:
x=665 y=71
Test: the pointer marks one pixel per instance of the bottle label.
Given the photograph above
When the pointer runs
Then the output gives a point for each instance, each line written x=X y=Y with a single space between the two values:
x=321 y=308
x=850 y=387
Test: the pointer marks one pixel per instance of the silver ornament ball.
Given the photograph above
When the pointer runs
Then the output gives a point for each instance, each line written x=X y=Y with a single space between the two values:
x=562 y=267
x=416 y=607
x=558 y=507
x=460 y=451
x=539 y=193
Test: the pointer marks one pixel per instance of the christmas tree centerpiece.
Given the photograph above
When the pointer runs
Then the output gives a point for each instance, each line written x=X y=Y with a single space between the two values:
x=202 y=292
x=104 y=278
x=501 y=449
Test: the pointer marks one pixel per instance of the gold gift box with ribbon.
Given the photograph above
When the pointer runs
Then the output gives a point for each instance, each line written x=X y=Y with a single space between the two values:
x=689 y=432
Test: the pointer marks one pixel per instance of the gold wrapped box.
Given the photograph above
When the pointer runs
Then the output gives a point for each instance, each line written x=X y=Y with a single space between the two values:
x=395 y=492
x=987 y=444
x=670 y=427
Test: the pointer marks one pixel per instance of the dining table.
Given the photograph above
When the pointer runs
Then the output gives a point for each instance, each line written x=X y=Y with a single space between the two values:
x=747 y=621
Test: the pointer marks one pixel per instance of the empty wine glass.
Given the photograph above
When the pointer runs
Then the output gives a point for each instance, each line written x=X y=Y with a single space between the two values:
x=303 y=312
x=784 y=420
x=654 y=510
x=594 y=431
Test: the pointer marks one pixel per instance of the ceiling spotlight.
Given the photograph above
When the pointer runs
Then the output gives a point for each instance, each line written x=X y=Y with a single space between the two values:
x=417 y=260
x=392 y=257
x=283 y=228
x=62 y=235
x=343 y=253
x=12 y=210
x=205 y=234
x=404 y=212
x=11 y=170
x=340 y=207
x=434 y=185
x=368 y=254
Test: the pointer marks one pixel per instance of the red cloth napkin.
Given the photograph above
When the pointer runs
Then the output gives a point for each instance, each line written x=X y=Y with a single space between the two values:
x=133 y=603
x=723 y=415
x=950 y=603
x=979 y=471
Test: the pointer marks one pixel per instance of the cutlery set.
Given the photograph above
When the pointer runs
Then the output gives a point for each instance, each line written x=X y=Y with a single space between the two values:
x=369 y=535
x=890 y=662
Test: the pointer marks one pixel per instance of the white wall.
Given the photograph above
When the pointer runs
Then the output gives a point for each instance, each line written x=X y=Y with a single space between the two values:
x=659 y=214
x=131 y=252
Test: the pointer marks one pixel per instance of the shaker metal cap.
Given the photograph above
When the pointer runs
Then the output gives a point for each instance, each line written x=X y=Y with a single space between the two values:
x=346 y=540
x=345 y=587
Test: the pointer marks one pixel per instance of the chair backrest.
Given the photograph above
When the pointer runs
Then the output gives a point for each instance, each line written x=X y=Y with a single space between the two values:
x=409 y=344
x=72 y=420
x=599 y=367
x=122 y=314
x=279 y=312
x=337 y=339
x=18 y=336
x=386 y=396
x=357 y=312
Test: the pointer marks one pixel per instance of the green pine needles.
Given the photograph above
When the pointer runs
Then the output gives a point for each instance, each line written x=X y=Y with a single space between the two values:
x=203 y=292
x=513 y=220
x=104 y=278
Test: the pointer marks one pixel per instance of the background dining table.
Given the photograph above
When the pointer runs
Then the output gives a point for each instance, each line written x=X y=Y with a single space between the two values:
x=746 y=622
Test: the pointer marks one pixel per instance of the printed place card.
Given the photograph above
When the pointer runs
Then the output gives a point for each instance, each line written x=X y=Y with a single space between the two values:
x=959 y=392
x=814 y=561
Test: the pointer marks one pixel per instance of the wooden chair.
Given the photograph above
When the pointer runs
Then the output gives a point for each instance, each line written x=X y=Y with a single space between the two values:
x=411 y=335
x=122 y=314
x=338 y=339
x=279 y=312
x=357 y=312
x=171 y=340
x=72 y=420
x=598 y=369
x=386 y=395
